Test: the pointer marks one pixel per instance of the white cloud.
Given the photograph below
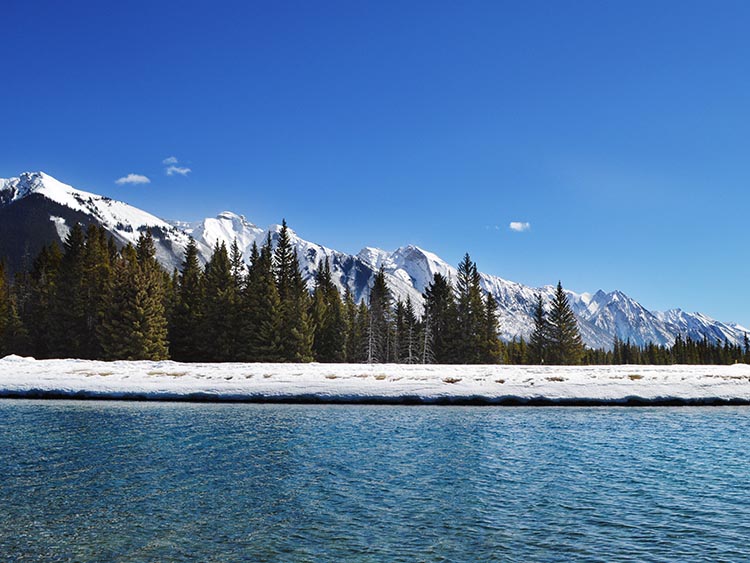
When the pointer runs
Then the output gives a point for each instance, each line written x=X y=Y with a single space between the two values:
x=133 y=179
x=182 y=171
x=170 y=160
x=519 y=226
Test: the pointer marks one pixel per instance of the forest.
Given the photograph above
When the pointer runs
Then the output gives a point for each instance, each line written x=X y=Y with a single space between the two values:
x=93 y=300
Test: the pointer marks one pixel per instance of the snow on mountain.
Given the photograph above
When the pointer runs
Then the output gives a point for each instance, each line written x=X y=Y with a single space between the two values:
x=37 y=205
x=123 y=221
x=697 y=326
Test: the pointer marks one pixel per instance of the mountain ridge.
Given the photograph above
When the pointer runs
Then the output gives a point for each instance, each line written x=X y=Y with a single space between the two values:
x=36 y=209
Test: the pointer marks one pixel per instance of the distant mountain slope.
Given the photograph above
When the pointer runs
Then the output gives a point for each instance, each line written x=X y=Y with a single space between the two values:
x=36 y=209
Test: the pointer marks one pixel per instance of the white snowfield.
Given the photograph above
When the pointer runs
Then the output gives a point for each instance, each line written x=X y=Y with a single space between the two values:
x=379 y=383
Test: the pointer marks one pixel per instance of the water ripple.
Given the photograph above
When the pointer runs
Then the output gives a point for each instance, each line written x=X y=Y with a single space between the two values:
x=131 y=482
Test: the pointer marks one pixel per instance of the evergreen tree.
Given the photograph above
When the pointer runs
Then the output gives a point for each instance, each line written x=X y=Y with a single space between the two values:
x=294 y=324
x=39 y=316
x=262 y=307
x=135 y=326
x=566 y=347
x=409 y=335
x=70 y=333
x=354 y=343
x=328 y=318
x=539 y=342
x=379 y=330
x=491 y=350
x=221 y=309
x=441 y=321
x=97 y=286
x=186 y=320
x=471 y=313
x=12 y=332
x=361 y=341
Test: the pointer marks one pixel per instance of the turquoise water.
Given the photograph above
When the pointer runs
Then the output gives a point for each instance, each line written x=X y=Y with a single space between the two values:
x=118 y=481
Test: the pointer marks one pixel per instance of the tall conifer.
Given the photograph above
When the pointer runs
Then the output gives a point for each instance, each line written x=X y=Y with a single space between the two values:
x=566 y=347
x=185 y=340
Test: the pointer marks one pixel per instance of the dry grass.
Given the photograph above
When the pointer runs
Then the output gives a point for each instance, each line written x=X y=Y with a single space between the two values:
x=451 y=379
x=635 y=377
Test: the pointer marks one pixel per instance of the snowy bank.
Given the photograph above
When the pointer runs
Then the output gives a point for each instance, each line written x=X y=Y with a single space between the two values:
x=356 y=383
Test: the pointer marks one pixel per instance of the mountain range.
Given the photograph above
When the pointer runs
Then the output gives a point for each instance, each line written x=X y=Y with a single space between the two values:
x=36 y=209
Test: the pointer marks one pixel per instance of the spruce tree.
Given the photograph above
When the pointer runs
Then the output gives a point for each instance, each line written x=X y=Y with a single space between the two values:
x=566 y=347
x=441 y=321
x=153 y=279
x=40 y=314
x=410 y=335
x=70 y=333
x=186 y=319
x=354 y=344
x=220 y=323
x=262 y=308
x=471 y=313
x=379 y=329
x=296 y=330
x=328 y=318
x=97 y=286
x=539 y=342
x=491 y=350
x=12 y=332
x=135 y=325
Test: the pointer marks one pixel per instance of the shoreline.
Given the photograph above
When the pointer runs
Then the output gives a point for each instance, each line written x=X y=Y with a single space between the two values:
x=510 y=401
x=376 y=384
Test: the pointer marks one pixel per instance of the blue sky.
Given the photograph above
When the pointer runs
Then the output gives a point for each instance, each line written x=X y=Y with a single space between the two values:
x=619 y=130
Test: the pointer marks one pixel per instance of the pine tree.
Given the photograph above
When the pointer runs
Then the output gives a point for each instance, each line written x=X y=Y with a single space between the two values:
x=186 y=319
x=328 y=318
x=409 y=335
x=354 y=344
x=296 y=331
x=219 y=331
x=491 y=351
x=97 y=286
x=262 y=308
x=441 y=321
x=379 y=329
x=69 y=336
x=39 y=316
x=12 y=332
x=566 y=347
x=135 y=326
x=539 y=342
x=471 y=312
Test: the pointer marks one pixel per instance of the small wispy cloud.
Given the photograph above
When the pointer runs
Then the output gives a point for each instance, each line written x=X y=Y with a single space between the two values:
x=519 y=226
x=133 y=179
x=182 y=171
x=170 y=160
x=492 y=227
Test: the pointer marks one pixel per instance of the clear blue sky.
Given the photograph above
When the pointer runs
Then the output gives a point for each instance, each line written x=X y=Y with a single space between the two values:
x=619 y=130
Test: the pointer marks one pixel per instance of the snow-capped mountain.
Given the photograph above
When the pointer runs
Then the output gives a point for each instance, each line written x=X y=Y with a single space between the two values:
x=36 y=209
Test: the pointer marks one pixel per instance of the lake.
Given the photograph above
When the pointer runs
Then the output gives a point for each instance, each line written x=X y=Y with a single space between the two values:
x=136 y=481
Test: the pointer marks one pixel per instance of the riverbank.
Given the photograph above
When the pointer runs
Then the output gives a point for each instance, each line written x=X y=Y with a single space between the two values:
x=387 y=384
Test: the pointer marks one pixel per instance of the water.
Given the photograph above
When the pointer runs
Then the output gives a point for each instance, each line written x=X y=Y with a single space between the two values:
x=108 y=481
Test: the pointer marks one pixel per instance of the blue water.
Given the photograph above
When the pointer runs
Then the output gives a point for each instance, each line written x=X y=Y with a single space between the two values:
x=109 y=481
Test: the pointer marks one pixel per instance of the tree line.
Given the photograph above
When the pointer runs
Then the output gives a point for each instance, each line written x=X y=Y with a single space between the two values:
x=93 y=300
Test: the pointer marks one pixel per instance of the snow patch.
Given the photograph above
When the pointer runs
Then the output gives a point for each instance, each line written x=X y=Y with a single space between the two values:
x=373 y=383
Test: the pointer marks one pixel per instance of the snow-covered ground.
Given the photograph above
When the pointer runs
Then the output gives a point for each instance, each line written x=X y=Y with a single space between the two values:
x=26 y=377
